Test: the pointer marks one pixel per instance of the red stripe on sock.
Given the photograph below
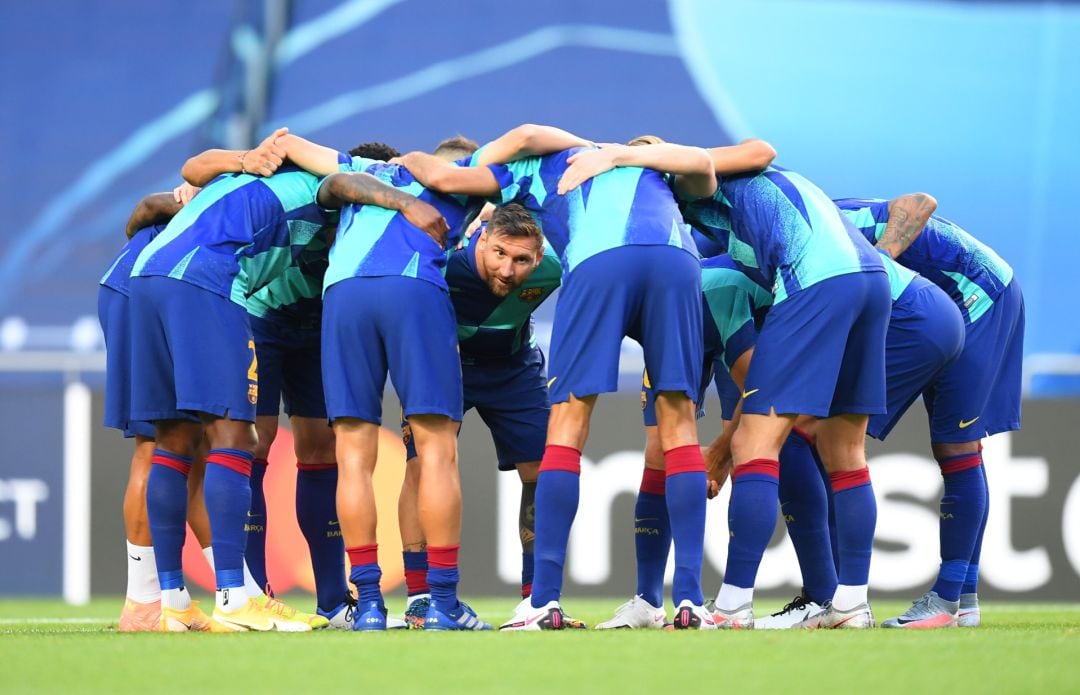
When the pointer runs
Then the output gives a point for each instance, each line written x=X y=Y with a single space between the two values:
x=416 y=582
x=957 y=464
x=684 y=459
x=442 y=557
x=653 y=481
x=769 y=467
x=234 y=463
x=845 y=480
x=559 y=458
x=169 y=462
x=803 y=435
x=315 y=466
x=526 y=590
x=363 y=554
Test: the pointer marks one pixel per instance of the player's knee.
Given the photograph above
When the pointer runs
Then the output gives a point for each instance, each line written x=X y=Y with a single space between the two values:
x=944 y=450
x=178 y=436
x=528 y=472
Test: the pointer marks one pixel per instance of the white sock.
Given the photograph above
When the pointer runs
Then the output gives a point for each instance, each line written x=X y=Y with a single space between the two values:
x=848 y=597
x=178 y=599
x=252 y=586
x=732 y=598
x=229 y=600
x=142 y=579
x=208 y=553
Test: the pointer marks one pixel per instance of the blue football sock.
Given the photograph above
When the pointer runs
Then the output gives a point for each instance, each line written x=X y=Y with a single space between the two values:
x=365 y=573
x=528 y=569
x=971 y=581
x=443 y=575
x=686 y=498
x=652 y=536
x=227 y=492
x=166 y=507
x=963 y=507
x=316 y=513
x=255 y=546
x=751 y=519
x=856 y=518
x=804 y=504
x=557 y=492
x=416 y=569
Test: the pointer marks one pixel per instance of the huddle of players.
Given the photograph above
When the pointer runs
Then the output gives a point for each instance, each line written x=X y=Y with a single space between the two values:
x=797 y=312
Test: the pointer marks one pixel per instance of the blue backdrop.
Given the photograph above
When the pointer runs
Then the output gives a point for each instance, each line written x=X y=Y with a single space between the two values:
x=974 y=102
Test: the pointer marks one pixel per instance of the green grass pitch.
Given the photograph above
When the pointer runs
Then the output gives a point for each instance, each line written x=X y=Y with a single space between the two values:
x=46 y=646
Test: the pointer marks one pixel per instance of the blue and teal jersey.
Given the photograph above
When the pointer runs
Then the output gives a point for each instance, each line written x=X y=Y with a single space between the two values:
x=493 y=327
x=627 y=206
x=295 y=296
x=899 y=276
x=118 y=276
x=781 y=230
x=972 y=274
x=376 y=242
x=735 y=306
x=239 y=233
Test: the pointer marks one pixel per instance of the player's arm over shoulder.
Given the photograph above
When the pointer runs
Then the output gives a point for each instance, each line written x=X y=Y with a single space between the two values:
x=752 y=154
x=156 y=208
x=908 y=215
x=528 y=140
x=262 y=160
x=439 y=175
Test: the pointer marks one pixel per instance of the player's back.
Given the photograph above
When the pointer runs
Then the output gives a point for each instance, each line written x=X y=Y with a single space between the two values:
x=295 y=296
x=627 y=206
x=781 y=229
x=972 y=273
x=238 y=233
x=118 y=276
x=734 y=304
x=377 y=242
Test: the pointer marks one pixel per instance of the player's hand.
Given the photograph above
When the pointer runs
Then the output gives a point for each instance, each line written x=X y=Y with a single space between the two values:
x=718 y=465
x=184 y=193
x=265 y=159
x=477 y=224
x=428 y=219
x=586 y=164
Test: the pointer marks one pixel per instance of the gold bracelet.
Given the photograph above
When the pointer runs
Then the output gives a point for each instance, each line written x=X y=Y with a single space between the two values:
x=243 y=170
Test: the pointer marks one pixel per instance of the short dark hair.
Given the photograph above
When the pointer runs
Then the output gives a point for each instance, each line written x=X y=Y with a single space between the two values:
x=374 y=150
x=515 y=221
x=456 y=147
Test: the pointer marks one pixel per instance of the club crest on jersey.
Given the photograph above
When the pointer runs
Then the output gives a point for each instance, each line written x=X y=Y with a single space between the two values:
x=530 y=294
x=253 y=393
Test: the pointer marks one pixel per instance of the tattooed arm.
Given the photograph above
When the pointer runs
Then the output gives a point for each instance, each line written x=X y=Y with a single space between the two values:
x=364 y=189
x=908 y=214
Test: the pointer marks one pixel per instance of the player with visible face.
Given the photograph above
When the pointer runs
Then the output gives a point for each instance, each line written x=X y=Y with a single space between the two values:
x=497 y=281
x=977 y=396
x=622 y=244
x=197 y=355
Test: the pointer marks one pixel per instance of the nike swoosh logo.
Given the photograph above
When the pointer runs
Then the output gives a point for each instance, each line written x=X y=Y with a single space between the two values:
x=646 y=518
x=552 y=381
x=747 y=394
x=253 y=516
x=136 y=559
x=332 y=523
x=968 y=423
